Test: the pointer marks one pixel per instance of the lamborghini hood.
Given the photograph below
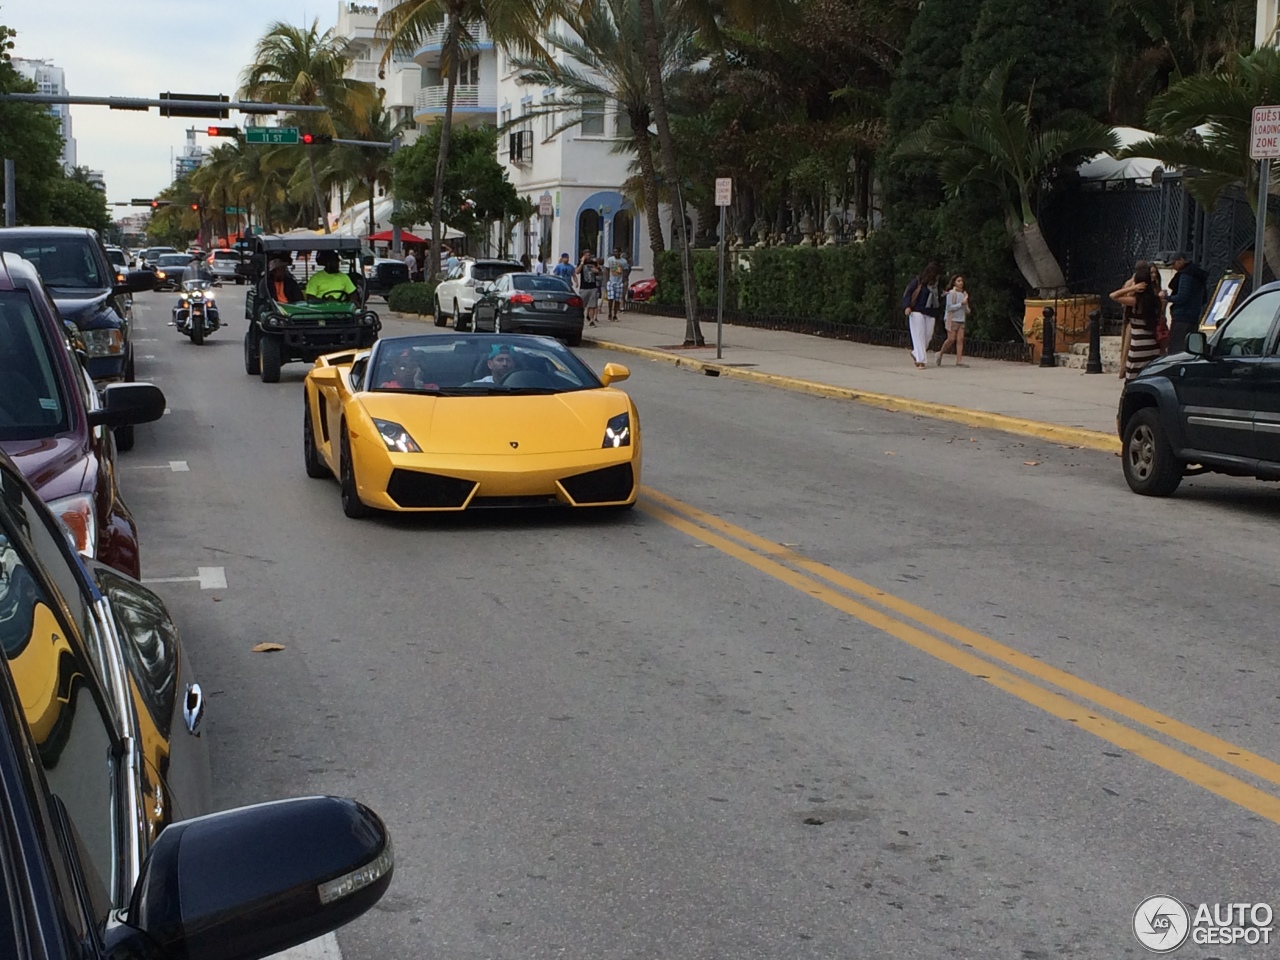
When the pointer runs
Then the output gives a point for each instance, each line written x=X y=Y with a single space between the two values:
x=557 y=423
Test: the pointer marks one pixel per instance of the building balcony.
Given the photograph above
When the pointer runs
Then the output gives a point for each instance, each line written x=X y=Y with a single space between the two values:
x=356 y=21
x=473 y=104
x=429 y=53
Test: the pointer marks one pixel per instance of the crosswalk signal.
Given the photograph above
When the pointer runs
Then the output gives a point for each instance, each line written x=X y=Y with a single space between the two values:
x=316 y=139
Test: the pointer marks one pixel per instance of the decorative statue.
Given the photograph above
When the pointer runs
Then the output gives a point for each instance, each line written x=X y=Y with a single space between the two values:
x=806 y=230
x=761 y=229
x=831 y=228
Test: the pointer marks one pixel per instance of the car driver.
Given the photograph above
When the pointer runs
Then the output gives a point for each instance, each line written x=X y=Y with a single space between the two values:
x=502 y=363
x=328 y=283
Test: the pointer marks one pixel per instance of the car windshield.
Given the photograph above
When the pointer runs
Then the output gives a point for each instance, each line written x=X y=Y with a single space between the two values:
x=225 y=255
x=174 y=260
x=482 y=272
x=533 y=282
x=31 y=404
x=66 y=262
x=478 y=366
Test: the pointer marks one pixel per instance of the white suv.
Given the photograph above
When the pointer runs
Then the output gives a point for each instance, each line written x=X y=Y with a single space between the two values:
x=456 y=293
x=223 y=263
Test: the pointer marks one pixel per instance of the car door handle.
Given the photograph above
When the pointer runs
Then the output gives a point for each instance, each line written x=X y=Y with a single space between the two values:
x=193 y=708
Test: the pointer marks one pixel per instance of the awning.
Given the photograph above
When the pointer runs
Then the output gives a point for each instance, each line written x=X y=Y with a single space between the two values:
x=405 y=237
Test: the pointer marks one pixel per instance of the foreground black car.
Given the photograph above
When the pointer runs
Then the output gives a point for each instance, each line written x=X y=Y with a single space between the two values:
x=1214 y=407
x=529 y=303
x=102 y=769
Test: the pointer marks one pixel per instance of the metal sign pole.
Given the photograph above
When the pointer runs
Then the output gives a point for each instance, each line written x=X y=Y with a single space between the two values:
x=720 y=299
x=1260 y=230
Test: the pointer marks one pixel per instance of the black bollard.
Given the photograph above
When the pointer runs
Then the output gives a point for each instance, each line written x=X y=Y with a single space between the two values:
x=1047 y=357
x=1095 y=342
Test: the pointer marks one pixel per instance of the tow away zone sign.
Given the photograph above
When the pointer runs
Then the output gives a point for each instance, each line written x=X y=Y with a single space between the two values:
x=1264 y=137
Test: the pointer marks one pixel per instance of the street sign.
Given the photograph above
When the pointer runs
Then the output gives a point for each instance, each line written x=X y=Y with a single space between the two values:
x=546 y=206
x=724 y=191
x=1264 y=135
x=236 y=211
x=270 y=134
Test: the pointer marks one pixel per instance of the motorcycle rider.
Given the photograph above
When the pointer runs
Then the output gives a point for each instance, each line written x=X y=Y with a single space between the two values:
x=196 y=270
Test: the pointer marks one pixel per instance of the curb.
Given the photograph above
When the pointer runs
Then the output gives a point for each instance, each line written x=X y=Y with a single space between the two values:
x=1072 y=436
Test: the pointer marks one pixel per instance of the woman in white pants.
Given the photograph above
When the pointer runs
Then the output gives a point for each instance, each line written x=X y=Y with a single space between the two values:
x=920 y=304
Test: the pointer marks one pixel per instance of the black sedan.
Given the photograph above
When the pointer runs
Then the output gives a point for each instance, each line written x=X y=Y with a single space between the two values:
x=102 y=769
x=169 y=268
x=530 y=303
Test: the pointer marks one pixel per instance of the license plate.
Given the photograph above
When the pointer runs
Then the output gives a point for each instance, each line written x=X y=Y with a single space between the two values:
x=549 y=305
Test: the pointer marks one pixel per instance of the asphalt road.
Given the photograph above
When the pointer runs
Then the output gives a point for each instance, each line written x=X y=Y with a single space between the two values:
x=847 y=684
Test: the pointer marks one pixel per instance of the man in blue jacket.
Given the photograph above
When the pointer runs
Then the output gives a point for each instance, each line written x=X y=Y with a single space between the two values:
x=1188 y=293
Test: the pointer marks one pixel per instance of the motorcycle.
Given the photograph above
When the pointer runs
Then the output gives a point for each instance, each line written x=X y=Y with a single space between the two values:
x=196 y=313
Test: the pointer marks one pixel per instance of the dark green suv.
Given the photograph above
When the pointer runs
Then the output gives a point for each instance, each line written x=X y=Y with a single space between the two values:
x=1214 y=408
x=298 y=327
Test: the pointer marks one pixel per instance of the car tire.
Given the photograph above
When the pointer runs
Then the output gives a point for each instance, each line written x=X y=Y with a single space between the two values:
x=316 y=468
x=1150 y=467
x=352 y=505
x=438 y=316
x=270 y=360
x=197 y=329
x=460 y=322
x=252 y=362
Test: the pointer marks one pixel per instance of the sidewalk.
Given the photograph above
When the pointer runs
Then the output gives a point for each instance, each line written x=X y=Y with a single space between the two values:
x=1053 y=403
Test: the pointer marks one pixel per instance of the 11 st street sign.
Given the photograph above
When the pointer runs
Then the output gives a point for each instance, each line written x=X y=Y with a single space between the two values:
x=270 y=134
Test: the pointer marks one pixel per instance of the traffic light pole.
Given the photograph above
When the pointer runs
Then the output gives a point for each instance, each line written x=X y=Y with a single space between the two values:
x=175 y=107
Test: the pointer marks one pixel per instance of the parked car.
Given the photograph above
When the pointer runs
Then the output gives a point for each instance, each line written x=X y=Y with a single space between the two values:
x=224 y=265
x=169 y=268
x=107 y=848
x=456 y=293
x=85 y=287
x=384 y=274
x=54 y=424
x=1216 y=405
x=528 y=303
x=644 y=289
x=119 y=259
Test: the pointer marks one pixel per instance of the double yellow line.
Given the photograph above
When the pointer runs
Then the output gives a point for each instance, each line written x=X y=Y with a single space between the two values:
x=979 y=656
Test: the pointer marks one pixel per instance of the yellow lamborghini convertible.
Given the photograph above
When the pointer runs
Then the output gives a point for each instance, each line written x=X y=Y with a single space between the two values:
x=438 y=422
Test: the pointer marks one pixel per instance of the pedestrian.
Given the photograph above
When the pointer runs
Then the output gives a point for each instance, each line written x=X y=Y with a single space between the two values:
x=1188 y=293
x=1142 y=312
x=956 y=307
x=615 y=268
x=1162 y=324
x=411 y=264
x=539 y=266
x=527 y=262
x=920 y=303
x=588 y=274
x=564 y=269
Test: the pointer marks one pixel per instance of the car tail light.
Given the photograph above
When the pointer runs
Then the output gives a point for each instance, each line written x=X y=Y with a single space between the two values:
x=574 y=301
x=522 y=298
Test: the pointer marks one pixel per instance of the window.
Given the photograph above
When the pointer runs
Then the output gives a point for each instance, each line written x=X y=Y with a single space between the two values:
x=592 y=117
x=504 y=116
x=67 y=263
x=31 y=404
x=1245 y=334
x=548 y=125
x=469 y=71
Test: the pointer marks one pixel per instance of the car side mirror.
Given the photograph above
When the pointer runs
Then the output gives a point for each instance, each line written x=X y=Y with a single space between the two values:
x=247 y=883
x=136 y=281
x=1197 y=344
x=614 y=373
x=128 y=403
x=326 y=376
x=484 y=286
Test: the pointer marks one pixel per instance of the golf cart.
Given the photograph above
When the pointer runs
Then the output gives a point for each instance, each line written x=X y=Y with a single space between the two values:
x=281 y=332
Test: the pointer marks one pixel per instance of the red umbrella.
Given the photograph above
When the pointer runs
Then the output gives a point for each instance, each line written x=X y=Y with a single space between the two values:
x=405 y=237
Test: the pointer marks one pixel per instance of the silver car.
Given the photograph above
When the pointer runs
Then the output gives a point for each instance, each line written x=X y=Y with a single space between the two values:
x=223 y=264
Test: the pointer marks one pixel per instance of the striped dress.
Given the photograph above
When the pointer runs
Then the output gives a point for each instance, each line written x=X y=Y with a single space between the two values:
x=1142 y=339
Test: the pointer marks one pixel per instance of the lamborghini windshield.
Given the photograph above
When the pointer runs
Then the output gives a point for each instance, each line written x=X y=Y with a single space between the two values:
x=478 y=366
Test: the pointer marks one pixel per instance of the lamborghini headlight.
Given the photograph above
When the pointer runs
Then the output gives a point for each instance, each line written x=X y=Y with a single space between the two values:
x=396 y=437
x=108 y=342
x=76 y=515
x=618 y=431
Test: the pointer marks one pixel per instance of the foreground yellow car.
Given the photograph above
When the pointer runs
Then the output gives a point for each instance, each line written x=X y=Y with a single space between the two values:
x=438 y=423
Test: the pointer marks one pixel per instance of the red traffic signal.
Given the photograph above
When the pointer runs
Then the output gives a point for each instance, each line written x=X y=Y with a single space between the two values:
x=316 y=139
x=195 y=206
x=223 y=131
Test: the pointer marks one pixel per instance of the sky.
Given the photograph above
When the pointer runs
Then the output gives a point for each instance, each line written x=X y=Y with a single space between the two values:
x=138 y=48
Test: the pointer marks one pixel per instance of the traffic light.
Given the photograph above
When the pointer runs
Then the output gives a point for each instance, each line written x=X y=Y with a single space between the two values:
x=195 y=206
x=223 y=131
x=160 y=203
x=316 y=139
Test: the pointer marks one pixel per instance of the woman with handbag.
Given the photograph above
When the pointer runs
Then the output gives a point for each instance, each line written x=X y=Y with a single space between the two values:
x=920 y=303
x=956 y=313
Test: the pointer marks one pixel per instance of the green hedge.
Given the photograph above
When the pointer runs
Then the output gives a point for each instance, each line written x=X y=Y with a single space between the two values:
x=412 y=298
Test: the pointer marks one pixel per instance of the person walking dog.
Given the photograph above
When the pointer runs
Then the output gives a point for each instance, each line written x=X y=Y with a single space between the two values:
x=920 y=303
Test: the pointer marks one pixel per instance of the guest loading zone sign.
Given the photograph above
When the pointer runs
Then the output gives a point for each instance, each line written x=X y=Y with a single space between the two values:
x=1264 y=140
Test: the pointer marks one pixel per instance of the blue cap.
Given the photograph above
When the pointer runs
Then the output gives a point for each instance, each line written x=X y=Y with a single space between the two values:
x=498 y=348
x=564 y=254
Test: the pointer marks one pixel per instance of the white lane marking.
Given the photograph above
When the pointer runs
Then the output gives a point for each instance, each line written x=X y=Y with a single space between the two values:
x=209 y=578
x=146 y=339
x=148 y=356
x=323 y=948
x=179 y=466
x=166 y=410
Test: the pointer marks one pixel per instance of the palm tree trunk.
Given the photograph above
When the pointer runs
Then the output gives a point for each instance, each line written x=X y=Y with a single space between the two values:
x=649 y=184
x=372 y=186
x=442 y=158
x=653 y=63
x=315 y=186
x=1036 y=262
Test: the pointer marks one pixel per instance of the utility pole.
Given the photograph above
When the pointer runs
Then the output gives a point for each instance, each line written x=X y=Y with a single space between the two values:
x=10 y=194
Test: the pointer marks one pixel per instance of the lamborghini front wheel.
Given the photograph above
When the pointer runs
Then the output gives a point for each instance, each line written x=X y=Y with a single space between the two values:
x=352 y=505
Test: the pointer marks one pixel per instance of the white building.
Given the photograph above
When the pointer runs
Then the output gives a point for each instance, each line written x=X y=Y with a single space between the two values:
x=402 y=78
x=190 y=157
x=575 y=173
x=52 y=80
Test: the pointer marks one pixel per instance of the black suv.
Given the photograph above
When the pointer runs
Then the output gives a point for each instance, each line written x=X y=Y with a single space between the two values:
x=1215 y=405
x=74 y=266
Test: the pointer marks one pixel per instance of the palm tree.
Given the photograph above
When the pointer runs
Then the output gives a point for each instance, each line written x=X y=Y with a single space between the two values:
x=605 y=64
x=304 y=66
x=352 y=166
x=513 y=24
x=1220 y=105
x=994 y=142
